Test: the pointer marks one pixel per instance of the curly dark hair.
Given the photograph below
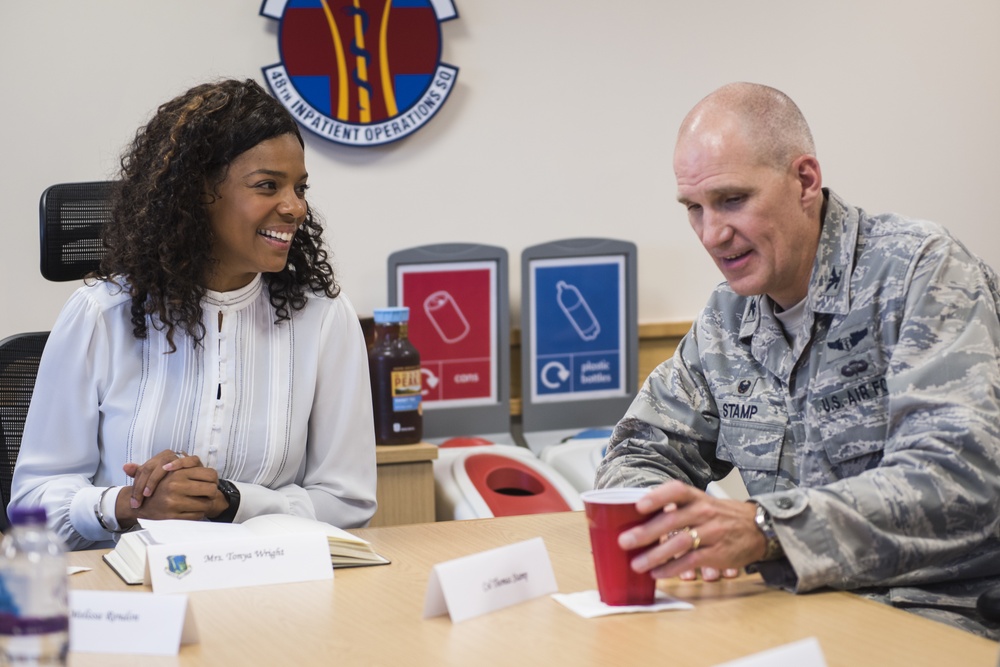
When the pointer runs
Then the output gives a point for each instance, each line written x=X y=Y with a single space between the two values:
x=159 y=240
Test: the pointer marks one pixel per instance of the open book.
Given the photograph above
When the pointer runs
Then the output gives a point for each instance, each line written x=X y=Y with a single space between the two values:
x=128 y=558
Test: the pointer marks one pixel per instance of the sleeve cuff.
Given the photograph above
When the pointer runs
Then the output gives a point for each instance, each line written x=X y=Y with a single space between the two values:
x=782 y=506
x=778 y=573
x=256 y=500
x=82 y=516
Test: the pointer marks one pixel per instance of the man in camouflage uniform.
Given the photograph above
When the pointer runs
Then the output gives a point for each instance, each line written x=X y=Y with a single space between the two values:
x=849 y=368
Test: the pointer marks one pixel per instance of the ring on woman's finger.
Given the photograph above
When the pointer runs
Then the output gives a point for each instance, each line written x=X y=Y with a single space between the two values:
x=181 y=455
x=695 y=538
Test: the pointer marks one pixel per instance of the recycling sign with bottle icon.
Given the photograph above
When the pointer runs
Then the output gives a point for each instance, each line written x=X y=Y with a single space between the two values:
x=578 y=337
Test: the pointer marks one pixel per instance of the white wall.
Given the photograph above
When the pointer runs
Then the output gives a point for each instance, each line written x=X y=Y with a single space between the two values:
x=561 y=124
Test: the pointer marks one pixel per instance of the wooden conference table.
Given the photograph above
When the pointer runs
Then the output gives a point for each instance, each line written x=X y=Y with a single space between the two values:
x=373 y=615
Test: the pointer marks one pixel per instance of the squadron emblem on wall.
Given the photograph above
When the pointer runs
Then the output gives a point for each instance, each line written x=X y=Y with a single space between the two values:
x=361 y=72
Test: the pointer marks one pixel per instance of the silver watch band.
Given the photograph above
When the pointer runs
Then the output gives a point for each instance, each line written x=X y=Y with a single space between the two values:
x=763 y=520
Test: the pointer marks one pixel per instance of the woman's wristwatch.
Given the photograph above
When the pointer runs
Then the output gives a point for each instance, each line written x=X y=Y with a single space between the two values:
x=766 y=527
x=232 y=496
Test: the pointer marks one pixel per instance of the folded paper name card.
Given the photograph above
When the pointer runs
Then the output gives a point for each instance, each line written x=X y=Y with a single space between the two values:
x=468 y=587
x=128 y=558
x=803 y=653
x=140 y=623
x=230 y=563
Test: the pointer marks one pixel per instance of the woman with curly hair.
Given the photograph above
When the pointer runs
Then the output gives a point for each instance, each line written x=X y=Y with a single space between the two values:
x=211 y=369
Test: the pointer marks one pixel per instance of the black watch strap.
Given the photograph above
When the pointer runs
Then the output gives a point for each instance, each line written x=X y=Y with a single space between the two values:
x=232 y=496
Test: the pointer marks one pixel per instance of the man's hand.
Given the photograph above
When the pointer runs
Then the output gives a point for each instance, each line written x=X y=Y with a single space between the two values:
x=681 y=515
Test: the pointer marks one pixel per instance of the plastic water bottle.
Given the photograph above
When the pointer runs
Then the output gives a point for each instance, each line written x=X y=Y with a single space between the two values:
x=34 y=612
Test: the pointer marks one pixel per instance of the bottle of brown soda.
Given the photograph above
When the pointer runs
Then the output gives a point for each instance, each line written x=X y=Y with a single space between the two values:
x=394 y=364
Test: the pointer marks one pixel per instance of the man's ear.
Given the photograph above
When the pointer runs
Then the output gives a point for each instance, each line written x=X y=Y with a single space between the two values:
x=810 y=178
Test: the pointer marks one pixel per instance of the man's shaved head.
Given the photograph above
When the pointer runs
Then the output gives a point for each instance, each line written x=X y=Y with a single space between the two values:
x=769 y=120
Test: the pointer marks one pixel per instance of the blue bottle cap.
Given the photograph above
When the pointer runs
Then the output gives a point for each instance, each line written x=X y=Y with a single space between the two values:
x=393 y=315
x=20 y=516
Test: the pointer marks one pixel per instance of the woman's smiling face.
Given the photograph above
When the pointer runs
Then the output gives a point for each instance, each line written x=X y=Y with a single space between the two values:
x=256 y=211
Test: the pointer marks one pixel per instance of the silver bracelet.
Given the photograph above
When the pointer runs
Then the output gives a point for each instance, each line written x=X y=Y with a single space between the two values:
x=100 y=514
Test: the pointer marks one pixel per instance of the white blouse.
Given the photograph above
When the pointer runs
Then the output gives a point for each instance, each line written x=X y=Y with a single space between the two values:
x=282 y=410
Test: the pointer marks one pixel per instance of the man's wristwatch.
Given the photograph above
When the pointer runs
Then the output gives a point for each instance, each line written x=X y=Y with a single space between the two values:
x=764 y=525
x=232 y=496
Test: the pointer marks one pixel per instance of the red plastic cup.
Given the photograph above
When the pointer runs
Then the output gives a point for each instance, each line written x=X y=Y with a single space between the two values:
x=610 y=512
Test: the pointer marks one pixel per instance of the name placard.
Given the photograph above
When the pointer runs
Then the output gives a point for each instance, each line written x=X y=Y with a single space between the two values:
x=141 y=623
x=803 y=653
x=245 y=561
x=474 y=585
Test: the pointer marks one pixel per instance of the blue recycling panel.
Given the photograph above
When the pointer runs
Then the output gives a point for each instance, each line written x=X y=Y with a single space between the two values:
x=578 y=336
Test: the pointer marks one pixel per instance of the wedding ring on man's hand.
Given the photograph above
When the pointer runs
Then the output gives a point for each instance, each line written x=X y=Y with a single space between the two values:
x=695 y=538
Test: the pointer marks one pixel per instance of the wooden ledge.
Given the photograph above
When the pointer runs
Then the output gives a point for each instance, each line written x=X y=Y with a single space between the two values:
x=421 y=451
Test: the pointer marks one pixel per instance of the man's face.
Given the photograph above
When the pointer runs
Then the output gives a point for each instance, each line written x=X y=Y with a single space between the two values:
x=753 y=219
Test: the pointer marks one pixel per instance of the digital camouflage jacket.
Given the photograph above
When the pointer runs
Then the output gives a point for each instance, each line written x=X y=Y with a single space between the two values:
x=874 y=443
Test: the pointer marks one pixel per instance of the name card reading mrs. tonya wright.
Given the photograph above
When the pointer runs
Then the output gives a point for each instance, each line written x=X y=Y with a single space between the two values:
x=142 y=623
x=468 y=587
x=245 y=561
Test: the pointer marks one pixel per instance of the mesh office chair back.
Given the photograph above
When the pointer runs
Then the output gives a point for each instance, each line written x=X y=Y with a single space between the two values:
x=71 y=219
x=19 y=357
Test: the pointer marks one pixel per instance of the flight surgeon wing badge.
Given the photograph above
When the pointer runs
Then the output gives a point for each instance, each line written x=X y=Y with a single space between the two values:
x=360 y=72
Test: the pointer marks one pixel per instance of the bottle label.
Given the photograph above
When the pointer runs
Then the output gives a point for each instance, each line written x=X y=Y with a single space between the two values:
x=19 y=625
x=406 y=389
